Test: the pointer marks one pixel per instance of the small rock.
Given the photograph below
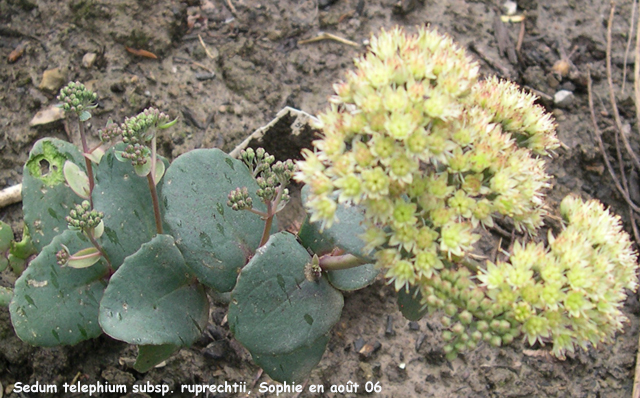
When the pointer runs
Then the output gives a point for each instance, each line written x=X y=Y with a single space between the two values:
x=510 y=7
x=369 y=349
x=46 y=116
x=563 y=98
x=52 y=80
x=88 y=60
x=218 y=350
x=358 y=344
x=389 y=329
x=414 y=325
x=205 y=76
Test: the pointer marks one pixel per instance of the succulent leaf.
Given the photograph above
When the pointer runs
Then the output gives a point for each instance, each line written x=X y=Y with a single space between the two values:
x=54 y=305
x=153 y=298
x=215 y=241
x=273 y=299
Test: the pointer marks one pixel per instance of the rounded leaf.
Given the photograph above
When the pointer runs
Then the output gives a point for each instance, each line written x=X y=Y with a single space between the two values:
x=54 y=305
x=410 y=305
x=274 y=309
x=215 y=240
x=46 y=199
x=353 y=278
x=84 y=258
x=77 y=179
x=344 y=233
x=153 y=299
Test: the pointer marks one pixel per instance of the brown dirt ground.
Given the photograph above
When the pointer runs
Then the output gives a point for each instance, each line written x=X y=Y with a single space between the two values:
x=250 y=66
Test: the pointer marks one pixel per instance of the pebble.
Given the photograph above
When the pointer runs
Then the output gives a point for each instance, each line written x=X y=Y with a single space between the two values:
x=205 y=76
x=389 y=329
x=510 y=7
x=52 y=80
x=88 y=60
x=563 y=98
x=414 y=325
x=47 y=116
x=369 y=349
x=217 y=350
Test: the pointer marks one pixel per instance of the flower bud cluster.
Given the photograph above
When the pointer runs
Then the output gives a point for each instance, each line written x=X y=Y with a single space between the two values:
x=75 y=97
x=421 y=145
x=62 y=256
x=111 y=132
x=272 y=179
x=137 y=131
x=470 y=317
x=239 y=199
x=570 y=293
x=83 y=218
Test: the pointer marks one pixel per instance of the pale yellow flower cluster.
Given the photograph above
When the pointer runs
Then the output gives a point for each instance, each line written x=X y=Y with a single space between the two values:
x=432 y=154
x=428 y=151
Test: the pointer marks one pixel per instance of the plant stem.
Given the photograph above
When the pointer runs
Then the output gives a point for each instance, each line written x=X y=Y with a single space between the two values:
x=267 y=224
x=87 y=162
x=151 y=178
x=345 y=261
x=156 y=205
x=95 y=243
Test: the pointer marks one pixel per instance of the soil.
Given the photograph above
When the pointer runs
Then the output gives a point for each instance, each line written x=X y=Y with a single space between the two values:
x=225 y=68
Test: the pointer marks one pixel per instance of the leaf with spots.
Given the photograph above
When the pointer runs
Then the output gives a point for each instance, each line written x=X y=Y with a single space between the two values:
x=55 y=305
x=279 y=315
x=125 y=200
x=215 y=240
x=46 y=197
x=153 y=299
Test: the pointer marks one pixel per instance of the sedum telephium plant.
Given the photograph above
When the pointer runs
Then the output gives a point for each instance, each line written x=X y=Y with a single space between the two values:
x=416 y=157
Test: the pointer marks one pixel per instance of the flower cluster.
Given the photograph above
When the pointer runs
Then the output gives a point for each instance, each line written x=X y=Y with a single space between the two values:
x=428 y=151
x=83 y=218
x=75 y=97
x=432 y=154
x=570 y=293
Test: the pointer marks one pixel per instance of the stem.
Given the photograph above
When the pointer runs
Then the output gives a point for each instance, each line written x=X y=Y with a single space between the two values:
x=345 y=261
x=95 y=243
x=156 y=205
x=258 y=212
x=267 y=224
x=151 y=178
x=87 y=162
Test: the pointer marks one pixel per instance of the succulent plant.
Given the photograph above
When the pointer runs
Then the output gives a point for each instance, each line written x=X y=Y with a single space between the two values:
x=417 y=155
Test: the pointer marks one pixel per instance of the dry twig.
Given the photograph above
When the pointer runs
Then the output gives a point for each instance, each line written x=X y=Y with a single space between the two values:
x=612 y=95
x=206 y=50
x=598 y=135
x=329 y=36
x=626 y=50
x=10 y=195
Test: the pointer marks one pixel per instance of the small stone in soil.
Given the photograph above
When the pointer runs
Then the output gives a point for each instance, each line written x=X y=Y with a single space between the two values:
x=88 y=60
x=414 y=325
x=358 y=344
x=563 y=98
x=420 y=340
x=389 y=329
x=218 y=350
x=368 y=349
x=205 y=76
x=52 y=80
